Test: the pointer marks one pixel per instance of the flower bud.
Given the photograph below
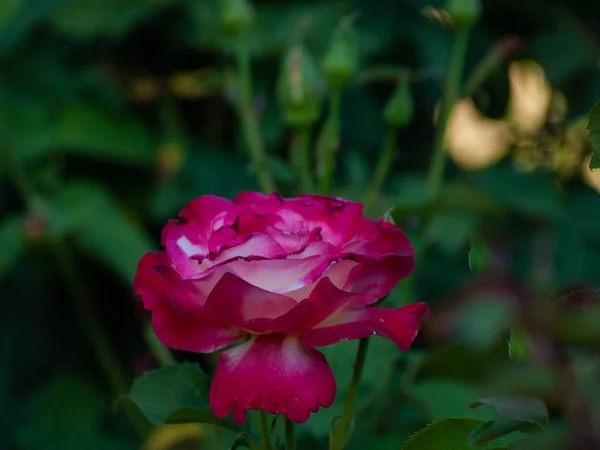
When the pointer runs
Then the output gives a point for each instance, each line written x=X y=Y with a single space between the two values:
x=341 y=60
x=237 y=16
x=299 y=87
x=398 y=111
x=519 y=344
x=464 y=13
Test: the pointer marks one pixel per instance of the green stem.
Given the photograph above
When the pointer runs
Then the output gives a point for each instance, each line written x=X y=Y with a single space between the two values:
x=329 y=142
x=301 y=158
x=386 y=157
x=250 y=123
x=82 y=305
x=289 y=434
x=87 y=317
x=22 y=184
x=451 y=94
x=265 y=435
x=338 y=442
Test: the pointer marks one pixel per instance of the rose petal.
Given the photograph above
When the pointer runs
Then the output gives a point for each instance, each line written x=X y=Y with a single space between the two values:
x=235 y=301
x=275 y=373
x=248 y=221
x=189 y=235
x=192 y=332
x=188 y=296
x=400 y=325
x=375 y=280
x=253 y=245
x=387 y=242
x=150 y=281
x=324 y=301
x=338 y=273
x=249 y=198
x=277 y=275
x=340 y=221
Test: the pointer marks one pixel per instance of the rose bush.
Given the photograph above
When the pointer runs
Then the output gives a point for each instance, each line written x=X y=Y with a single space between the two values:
x=290 y=274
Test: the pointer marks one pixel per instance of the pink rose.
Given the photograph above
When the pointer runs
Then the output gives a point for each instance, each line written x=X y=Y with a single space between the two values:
x=291 y=274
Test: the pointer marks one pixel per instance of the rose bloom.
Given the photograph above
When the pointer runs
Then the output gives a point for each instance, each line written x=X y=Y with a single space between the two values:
x=290 y=275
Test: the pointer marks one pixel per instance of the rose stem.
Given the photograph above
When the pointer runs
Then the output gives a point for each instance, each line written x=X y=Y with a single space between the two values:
x=82 y=306
x=289 y=434
x=249 y=122
x=265 y=435
x=451 y=94
x=386 y=157
x=328 y=143
x=338 y=442
x=301 y=157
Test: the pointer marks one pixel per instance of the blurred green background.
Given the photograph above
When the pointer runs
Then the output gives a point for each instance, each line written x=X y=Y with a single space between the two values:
x=115 y=113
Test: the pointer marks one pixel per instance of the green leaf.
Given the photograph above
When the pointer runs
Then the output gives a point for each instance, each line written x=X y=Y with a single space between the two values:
x=114 y=239
x=480 y=256
x=176 y=393
x=8 y=9
x=515 y=413
x=242 y=441
x=528 y=194
x=519 y=344
x=99 y=226
x=456 y=198
x=67 y=414
x=447 y=434
x=12 y=241
x=458 y=225
x=447 y=398
x=594 y=130
x=23 y=20
x=90 y=131
x=89 y=19
x=346 y=434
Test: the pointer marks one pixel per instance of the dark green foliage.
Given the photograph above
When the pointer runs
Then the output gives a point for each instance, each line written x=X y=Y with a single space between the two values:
x=116 y=113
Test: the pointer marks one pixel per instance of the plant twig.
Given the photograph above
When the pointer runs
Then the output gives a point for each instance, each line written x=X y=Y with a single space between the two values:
x=250 y=123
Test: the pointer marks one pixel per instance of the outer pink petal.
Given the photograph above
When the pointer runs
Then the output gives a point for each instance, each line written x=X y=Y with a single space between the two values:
x=189 y=235
x=275 y=373
x=400 y=325
x=374 y=281
x=339 y=220
x=387 y=242
x=249 y=198
x=382 y=263
x=236 y=302
x=155 y=282
x=150 y=281
x=192 y=332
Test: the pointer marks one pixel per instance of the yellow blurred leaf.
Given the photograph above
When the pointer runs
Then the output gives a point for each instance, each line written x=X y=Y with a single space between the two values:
x=168 y=436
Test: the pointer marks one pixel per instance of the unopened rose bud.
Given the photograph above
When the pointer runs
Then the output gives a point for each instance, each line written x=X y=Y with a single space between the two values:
x=398 y=111
x=237 y=16
x=341 y=60
x=299 y=87
x=464 y=13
